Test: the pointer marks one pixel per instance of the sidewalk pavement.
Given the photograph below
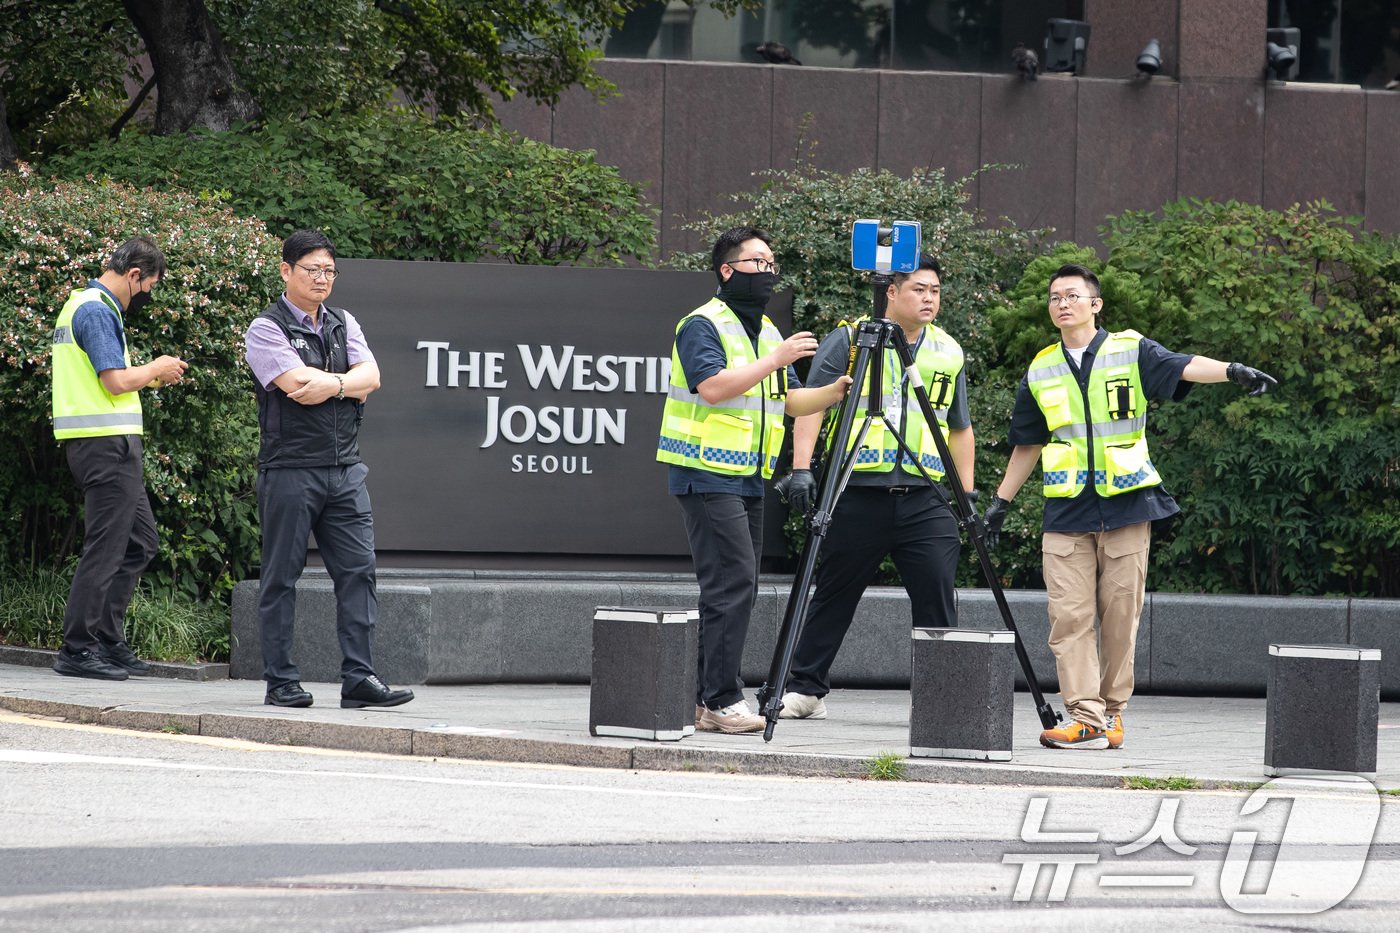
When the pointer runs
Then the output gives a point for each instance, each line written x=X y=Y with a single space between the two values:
x=1215 y=742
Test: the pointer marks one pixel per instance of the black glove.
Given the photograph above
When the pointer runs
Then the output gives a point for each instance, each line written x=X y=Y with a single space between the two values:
x=972 y=496
x=1256 y=381
x=995 y=515
x=797 y=489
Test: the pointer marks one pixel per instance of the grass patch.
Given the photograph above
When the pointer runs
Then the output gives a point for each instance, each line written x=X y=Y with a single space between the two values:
x=160 y=626
x=1138 y=782
x=885 y=766
x=174 y=728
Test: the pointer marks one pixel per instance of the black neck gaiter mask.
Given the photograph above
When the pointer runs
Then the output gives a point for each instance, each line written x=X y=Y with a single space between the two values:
x=747 y=293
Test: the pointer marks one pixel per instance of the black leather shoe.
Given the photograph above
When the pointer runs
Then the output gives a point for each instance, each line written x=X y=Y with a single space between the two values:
x=87 y=663
x=372 y=692
x=287 y=695
x=122 y=656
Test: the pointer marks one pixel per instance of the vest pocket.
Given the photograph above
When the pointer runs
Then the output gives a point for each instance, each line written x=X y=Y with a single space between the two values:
x=1127 y=466
x=726 y=443
x=1054 y=403
x=1058 y=465
x=872 y=453
x=773 y=446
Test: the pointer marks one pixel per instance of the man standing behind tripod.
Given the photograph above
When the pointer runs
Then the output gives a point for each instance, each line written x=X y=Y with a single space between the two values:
x=731 y=382
x=888 y=507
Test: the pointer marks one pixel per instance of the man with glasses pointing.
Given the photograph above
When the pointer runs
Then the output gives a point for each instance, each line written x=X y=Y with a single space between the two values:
x=1081 y=411
x=313 y=371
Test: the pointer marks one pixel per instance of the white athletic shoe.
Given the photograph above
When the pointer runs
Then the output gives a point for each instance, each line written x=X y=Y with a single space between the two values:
x=802 y=706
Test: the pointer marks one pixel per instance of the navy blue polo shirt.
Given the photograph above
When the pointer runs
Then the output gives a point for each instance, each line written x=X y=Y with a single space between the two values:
x=702 y=355
x=98 y=330
x=1161 y=379
x=830 y=363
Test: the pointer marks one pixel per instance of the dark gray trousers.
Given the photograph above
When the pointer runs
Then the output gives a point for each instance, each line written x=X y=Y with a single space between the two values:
x=726 y=542
x=334 y=503
x=119 y=542
x=921 y=535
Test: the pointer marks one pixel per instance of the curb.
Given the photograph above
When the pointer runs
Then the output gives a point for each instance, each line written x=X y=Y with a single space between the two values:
x=43 y=657
x=429 y=743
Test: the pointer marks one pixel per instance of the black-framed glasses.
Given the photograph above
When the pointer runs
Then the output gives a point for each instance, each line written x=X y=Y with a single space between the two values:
x=1070 y=298
x=319 y=272
x=760 y=264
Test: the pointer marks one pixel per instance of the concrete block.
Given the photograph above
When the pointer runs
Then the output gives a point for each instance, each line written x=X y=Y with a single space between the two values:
x=1201 y=644
x=1376 y=623
x=401 y=640
x=1323 y=709
x=643 y=672
x=961 y=694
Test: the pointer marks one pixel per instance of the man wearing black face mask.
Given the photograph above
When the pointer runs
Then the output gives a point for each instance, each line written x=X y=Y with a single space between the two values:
x=731 y=383
x=97 y=415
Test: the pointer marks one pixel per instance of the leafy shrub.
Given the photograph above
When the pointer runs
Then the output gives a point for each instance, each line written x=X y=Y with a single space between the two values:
x=396 y=185
x=809 y=213
x=201 y=436
x=163 y=625
x=1297 y=491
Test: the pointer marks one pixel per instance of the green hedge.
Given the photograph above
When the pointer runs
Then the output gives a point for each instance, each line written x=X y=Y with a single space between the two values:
x=201 y=435
x=395 y=185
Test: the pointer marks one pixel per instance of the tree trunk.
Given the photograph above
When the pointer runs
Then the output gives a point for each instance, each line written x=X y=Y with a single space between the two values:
x=196 y=84
x=9 y=152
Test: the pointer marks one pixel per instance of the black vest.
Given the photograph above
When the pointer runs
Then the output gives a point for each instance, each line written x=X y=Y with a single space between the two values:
x=295 y=435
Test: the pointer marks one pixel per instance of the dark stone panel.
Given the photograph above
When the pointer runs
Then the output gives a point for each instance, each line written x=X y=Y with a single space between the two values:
x=1220 y=145
x=1127 y=152
x=625 y=129
x=1031 y=125
x=527 y=118
x=838 y=106
x=1314 y=146
x=1375 y=623
x=1382 y=156
x=930 y=119
x=715 y=140
x=1205 y=643
x=1120 y=29
x=1222 y=38
x=961 y=694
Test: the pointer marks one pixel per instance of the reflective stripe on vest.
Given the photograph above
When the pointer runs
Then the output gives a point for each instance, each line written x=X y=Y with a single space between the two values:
x=1116 y=421
x=739 y=434
x=939 y=359
x=82 y=406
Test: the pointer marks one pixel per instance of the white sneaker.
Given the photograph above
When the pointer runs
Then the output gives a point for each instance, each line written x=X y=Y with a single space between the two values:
x=802 y=706
x=700 y=724
x=733 y=719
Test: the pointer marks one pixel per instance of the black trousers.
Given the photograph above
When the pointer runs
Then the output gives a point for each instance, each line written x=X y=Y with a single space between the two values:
x=119 y=542
x=726 y=541
x=334 y=503
x=917 y=530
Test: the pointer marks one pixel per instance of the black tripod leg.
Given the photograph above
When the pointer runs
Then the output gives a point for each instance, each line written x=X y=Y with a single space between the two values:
x=833 y=481
x=977 y=532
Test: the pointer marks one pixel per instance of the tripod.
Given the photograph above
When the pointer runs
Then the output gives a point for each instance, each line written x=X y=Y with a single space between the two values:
x=871 y=340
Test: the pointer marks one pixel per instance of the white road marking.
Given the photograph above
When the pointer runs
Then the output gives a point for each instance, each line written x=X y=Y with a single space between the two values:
x=35 y=757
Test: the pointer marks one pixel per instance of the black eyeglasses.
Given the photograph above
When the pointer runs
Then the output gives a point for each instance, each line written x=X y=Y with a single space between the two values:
x=762 y=265
x=319 y=272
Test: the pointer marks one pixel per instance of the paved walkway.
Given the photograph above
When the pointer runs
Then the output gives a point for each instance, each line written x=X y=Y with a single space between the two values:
x=1213 y=741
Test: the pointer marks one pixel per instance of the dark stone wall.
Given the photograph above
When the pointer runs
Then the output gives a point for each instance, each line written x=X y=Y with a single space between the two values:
x=1083 y=147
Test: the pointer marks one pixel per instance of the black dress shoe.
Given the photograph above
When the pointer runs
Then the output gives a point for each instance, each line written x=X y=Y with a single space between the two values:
x=122 y=656
x=287 y=695
x=87 y=663
x=372 y=692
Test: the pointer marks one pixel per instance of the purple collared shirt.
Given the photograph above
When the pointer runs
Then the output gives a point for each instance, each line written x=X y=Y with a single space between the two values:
x=269 y=354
